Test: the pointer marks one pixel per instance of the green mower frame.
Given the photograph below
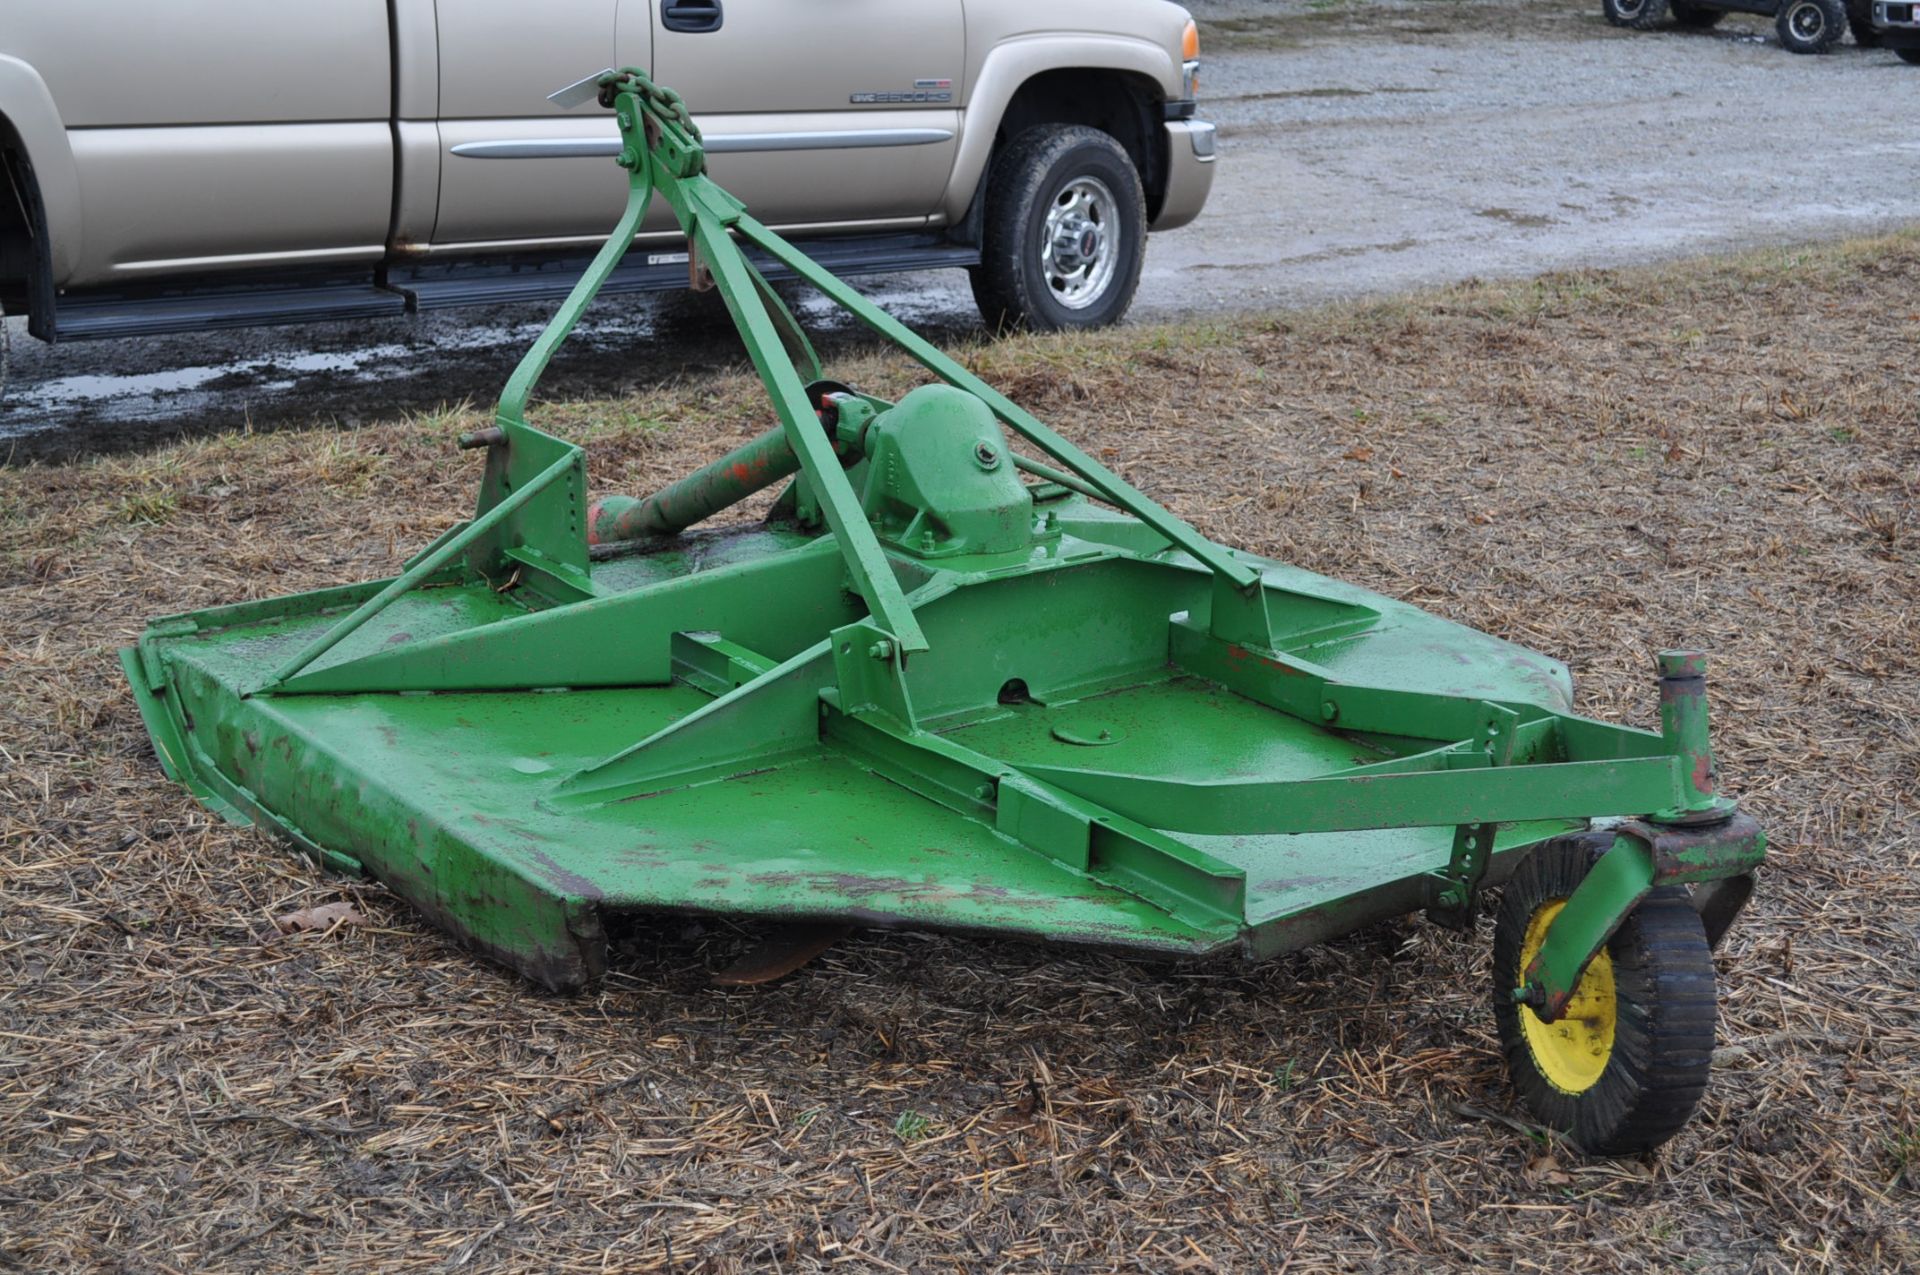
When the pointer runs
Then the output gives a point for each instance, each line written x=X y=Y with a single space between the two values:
x=924 y=692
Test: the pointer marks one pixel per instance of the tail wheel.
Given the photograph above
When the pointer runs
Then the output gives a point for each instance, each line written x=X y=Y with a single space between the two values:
x=1810 y=26
x=1638 y=14
x=1623 y=1069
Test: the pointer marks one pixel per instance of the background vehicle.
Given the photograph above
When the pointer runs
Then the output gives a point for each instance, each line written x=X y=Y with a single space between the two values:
x=1804 y=26
x=164 y=170
x=1895 y=26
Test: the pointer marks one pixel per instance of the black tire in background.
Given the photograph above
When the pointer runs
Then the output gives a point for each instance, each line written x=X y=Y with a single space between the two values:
x=1640 y=15
x=1697 y=16
x=1065 y=231
x=1658 y=1003
x=1810 y=26
x=1910 y=56
x=1860 y=22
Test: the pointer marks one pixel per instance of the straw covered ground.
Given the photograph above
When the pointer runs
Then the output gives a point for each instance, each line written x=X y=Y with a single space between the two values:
x=1723 y=453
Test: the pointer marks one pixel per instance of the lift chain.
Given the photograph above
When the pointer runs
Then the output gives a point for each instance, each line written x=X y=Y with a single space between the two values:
x=657 y=98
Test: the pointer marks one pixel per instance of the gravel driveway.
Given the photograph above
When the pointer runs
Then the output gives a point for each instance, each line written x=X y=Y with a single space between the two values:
x=1375 y=148
x=1367 y=148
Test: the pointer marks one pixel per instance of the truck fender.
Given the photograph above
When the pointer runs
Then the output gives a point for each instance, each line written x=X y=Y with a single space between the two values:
x=1013 y=62
x=27 y=105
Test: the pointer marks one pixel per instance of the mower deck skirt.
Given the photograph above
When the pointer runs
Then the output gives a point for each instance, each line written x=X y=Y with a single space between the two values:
x=469 y=800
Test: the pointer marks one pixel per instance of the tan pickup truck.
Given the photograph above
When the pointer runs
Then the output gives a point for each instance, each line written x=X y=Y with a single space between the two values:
x=219 y=163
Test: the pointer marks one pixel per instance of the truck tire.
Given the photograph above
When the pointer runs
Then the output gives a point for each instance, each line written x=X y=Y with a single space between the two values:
x=1641 y=15
x=1064 y=234
x=1910 y=56
x=1698 y=17
x=1810 y=26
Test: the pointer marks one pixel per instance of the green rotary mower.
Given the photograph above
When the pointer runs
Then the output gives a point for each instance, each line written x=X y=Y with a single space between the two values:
x=961 y=677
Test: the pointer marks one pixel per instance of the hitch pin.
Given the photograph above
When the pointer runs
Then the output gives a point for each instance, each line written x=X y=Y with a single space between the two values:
x=490 y=437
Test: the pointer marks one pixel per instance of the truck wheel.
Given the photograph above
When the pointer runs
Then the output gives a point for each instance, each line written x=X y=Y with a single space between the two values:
x=1065 y=231
x=1810 y=26
x=1860 y=22
x=1638 y=14
x=1695 y=16
x=1910 y=56
x=1622 y=1070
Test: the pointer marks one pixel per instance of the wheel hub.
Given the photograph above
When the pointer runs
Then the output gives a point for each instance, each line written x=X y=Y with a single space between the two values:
x=1077 y=257
x=1572 y=1051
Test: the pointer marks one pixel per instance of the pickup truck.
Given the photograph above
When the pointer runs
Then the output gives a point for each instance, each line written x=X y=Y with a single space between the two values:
x=220 y=163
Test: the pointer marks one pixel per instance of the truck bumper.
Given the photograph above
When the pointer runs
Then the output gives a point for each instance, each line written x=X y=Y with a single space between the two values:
x=1190 y=163
x=1897 y=24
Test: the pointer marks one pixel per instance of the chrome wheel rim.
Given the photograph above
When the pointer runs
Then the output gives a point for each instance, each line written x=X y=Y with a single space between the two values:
x=1807 y=21
x=1628 y=8
x=1079 y=243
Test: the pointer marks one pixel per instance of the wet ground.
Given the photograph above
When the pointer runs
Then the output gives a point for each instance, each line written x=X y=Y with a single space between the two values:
x=1366 y=148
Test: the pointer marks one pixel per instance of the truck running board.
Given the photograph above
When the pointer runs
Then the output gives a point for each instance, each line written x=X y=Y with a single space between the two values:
x=225 y=303
x=80 y=316
x=661 y=268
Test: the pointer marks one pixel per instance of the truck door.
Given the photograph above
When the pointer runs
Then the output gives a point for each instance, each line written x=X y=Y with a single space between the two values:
x=824 y=112
x=509 y=175
x=214 y=134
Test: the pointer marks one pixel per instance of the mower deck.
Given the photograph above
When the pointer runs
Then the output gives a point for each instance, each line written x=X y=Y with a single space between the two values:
x=467 y=802
x=950 y=684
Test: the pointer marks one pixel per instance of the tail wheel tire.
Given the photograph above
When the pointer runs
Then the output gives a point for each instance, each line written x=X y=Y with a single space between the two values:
x=1640 y=15
x=1810 y=26
x=1696 y=16
x=1623 y=1069
x=1862 y=27
x=1065 y=231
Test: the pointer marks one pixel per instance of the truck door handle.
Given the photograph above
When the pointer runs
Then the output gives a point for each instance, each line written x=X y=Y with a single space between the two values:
x=695 y=17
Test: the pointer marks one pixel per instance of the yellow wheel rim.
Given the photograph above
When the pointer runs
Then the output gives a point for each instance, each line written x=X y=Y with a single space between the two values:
x=1571 y=1052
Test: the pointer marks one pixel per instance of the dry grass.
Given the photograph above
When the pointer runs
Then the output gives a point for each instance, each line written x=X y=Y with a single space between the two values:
x=1595 y=464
